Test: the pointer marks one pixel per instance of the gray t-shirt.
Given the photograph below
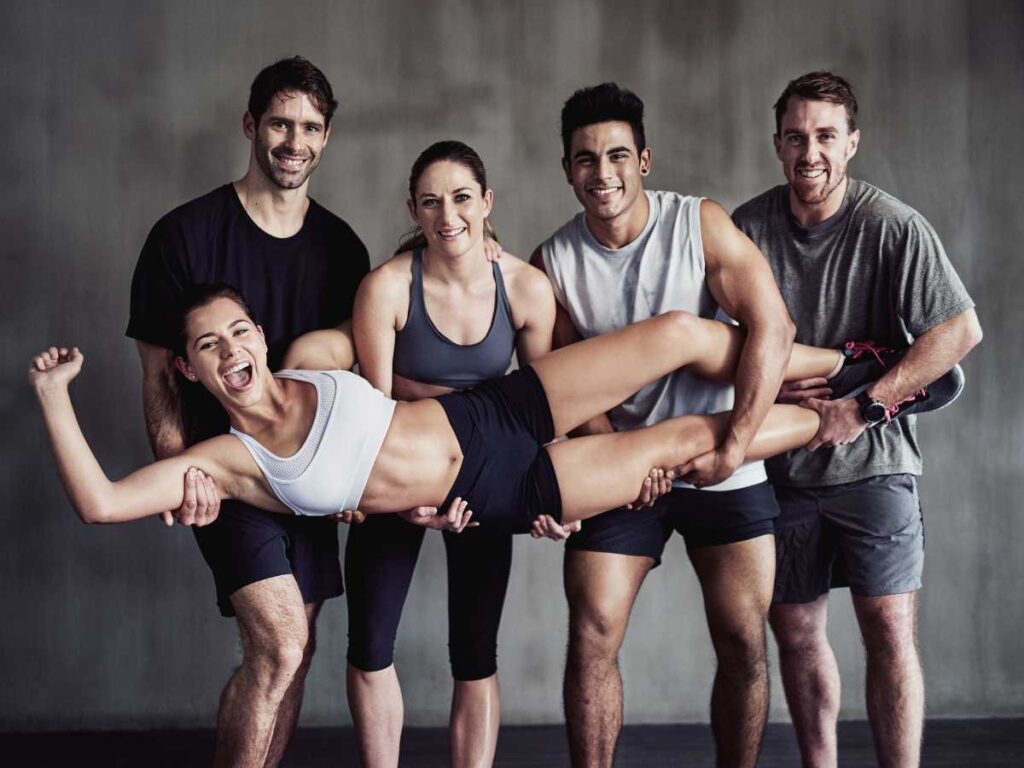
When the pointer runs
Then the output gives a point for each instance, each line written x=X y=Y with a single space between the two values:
x=875 y=271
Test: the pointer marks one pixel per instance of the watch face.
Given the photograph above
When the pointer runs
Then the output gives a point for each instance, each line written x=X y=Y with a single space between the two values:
x=873 y=412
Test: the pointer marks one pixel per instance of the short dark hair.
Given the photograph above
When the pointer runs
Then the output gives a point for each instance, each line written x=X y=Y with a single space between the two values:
x=819 y=86
x=600 y=104
x=294 y=74
x=199 y=295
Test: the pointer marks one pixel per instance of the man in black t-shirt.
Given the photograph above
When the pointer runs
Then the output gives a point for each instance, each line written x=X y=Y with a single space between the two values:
x=298 y=265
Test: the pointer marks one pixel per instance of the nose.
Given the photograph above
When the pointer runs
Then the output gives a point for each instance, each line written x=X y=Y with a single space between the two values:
x=811 y=151
x=604 y=167
x=292 y=140
x=227 y=349
x=447 y=212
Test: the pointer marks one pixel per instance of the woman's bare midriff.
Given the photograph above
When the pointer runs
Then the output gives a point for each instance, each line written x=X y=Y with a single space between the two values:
x=418 y=463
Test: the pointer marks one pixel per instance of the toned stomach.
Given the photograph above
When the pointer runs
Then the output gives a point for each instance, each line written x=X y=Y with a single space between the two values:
x=418 y=462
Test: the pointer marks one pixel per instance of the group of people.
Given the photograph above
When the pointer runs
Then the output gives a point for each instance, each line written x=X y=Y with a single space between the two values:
x=653 y=329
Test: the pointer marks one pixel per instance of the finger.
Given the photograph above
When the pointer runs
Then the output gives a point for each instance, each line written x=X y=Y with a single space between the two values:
x=168 y=518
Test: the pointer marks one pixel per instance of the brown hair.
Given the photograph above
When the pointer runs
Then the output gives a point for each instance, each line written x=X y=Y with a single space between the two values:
x=455 y=152
x=819 y=86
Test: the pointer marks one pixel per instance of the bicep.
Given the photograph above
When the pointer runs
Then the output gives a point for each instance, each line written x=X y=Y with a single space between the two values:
x=374 y=333
x=161 y=486
x=331 y=349
x=535 y=338
x=738 y=276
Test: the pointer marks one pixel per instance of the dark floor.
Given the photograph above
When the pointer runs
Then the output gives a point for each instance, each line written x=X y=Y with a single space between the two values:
x=948 y=743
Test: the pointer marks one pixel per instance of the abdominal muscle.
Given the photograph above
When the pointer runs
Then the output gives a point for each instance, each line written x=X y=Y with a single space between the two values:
x=418 y=462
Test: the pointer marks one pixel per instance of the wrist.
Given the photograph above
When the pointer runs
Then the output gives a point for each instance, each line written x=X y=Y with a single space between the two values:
x=49 y=390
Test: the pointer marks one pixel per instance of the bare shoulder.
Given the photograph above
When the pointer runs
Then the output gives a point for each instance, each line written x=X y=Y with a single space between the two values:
x=524 y=279
x=394 y=274
x=713 y=217
x=529 y=292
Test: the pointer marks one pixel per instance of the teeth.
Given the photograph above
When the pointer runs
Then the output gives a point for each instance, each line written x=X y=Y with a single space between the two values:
x=235 y=368
x=451 y=232
x=811 y=174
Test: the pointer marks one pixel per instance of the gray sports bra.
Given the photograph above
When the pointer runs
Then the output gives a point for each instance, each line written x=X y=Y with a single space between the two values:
x=423 y=353
x=329 y=472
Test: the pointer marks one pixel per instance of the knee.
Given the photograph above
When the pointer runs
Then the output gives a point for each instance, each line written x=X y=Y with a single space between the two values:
x=595 y=634
x=797 y=632
x=370 y=652
x=473 y=658
x=277 y=662
x=681 y=324
x=741 y=653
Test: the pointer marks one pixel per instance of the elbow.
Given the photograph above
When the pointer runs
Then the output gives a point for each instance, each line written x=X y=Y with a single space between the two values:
x=93 y=513
x=973 y=336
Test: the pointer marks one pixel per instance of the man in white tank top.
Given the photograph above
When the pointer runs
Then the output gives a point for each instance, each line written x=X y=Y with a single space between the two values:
x=628 y=255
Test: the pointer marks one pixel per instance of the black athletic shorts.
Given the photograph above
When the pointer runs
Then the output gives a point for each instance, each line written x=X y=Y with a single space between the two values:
x=703 y=518
x=507 y=476
x=245 y=545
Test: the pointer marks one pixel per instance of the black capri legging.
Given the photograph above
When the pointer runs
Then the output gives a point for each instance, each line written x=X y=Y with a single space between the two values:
x=380 y=558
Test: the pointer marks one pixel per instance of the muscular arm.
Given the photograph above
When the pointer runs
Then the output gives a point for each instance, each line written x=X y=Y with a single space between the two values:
x=331 y=349
x=932 y=354
x=741 y=281
x=929 y=357
x=563 y=334
x=160 y=401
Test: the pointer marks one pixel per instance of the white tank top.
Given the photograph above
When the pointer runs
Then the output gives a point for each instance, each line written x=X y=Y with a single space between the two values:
x=329 y=472
x=662 y=269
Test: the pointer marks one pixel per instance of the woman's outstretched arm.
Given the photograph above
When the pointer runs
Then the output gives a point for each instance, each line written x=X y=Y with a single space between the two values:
x=95 y=498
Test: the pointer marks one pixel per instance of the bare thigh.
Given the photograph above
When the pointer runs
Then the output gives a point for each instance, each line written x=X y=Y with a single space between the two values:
x=271 y=613
x=601 y=472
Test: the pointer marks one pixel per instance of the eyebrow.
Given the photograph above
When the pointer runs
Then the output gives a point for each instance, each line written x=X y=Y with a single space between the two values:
x=589 y=153
x=202 y=336
x=795 y=132
x=288 y=121
x=424 y=195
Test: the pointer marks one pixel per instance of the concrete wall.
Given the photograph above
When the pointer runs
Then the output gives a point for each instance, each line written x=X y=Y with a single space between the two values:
x=115 y=112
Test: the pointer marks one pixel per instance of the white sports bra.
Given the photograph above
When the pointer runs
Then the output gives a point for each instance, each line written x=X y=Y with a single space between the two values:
x=329 y=472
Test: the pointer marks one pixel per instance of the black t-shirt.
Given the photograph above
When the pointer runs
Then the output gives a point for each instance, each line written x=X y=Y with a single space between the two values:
x=293 y=285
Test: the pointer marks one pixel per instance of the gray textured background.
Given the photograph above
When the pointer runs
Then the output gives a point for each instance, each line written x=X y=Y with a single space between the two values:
x=116 y=112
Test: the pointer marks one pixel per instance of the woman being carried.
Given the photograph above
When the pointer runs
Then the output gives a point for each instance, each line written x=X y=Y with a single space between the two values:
x=350 y=447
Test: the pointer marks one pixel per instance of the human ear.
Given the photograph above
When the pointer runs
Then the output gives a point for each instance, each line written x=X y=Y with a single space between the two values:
x=184 y=368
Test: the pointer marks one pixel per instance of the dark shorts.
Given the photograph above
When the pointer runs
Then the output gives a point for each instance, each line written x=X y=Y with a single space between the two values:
x=703 y=518
x=502 y=426
x=867 y=535
x=380 y=557
x=245 y=545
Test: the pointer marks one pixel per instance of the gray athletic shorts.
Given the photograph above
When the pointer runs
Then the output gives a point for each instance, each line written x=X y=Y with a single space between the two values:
x=867 y=535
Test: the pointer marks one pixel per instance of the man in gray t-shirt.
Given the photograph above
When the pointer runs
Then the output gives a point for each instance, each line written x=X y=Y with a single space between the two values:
x=852 y=263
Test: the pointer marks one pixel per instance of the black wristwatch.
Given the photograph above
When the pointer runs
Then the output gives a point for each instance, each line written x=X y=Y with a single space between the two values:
x=872 y=411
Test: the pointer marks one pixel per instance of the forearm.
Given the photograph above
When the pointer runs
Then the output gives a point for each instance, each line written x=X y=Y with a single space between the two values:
x=161 y=405
x=759 y=374
x=86 y=484
x=928 y=358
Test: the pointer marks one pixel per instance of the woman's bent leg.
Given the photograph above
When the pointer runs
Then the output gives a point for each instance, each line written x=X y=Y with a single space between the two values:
x=600 y=472
x=585 y=379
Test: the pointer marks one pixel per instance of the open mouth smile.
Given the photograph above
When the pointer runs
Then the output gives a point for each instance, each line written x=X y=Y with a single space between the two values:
x=237 y=376
x=450 y=233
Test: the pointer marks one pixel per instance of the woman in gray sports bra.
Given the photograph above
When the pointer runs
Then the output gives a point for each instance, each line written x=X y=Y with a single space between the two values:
x=438 y=317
